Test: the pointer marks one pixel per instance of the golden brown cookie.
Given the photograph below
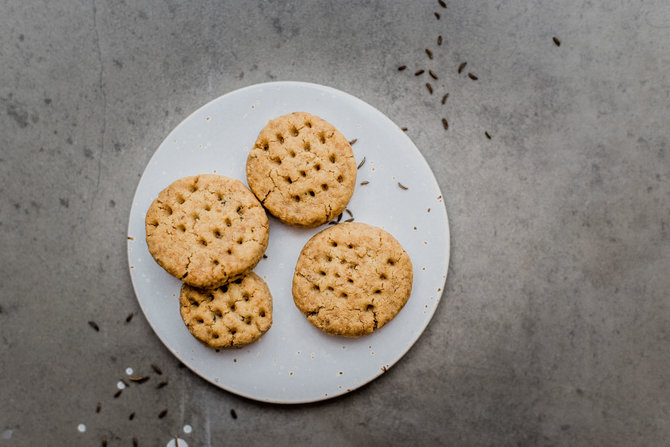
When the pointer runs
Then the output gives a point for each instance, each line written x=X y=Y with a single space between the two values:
x=230 y=316
x=351 y=279
x=302 y=169
x=207 y=230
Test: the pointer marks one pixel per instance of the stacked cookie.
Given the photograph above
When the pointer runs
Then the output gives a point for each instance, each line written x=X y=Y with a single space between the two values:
x=211 y=231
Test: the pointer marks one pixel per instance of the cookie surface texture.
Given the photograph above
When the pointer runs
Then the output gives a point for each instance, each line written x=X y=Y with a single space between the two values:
x=351 y=279
x=230 y=316
x=302 y=169
x=207 y=230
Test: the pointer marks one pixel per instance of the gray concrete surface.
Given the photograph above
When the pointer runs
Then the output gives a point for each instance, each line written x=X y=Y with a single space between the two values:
x=554 y=328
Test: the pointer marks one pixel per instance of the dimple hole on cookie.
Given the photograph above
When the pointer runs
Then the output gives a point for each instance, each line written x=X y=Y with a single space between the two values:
x=294 y=131
x=316 y=287
x=292 y=153
x=343 y=295
x=215 y=335
x=245 y=295
x=330 y=289
x=265 y=145
x=219 y=196
x=317 y=167
x=181 y=228
x=168 y=209
x=337 y=275
x=340 y=179
x=193 y=188
x=329 y=258
x=303 y=173
x=350 y=245
x=193 y=302
x=215 y=261
x=239 y=210
x=200 y=320
x=240 y=241
x=277 y=160
x=332 y=158
x=322 y=273
x=229 y=251
x=247 y=320
x=262 y=313
x=228 y=222
x=238 y=281
x=218 y=314
x=307 y=146
x=224 y=288
x=322 y=138
x=390 y=261
x=308 y=124
x=196 y=216
x=217 y=233
x=296 y=198
x=233 y=332
x=324 y=187
x=311 y=193
x=180 y=199
x=334 y=244
x=370 y=308
x=378 y=291
x=280 y=138
x=350 y=281
x=203 y=242
x=288 y=180
x=207 y=207
x=233 y=307
x=382 y=276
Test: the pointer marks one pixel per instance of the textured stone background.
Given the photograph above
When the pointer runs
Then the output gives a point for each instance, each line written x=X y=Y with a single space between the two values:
x=554 y=328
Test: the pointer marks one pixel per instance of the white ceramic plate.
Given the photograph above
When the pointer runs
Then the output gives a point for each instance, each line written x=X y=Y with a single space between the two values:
x=294 y=362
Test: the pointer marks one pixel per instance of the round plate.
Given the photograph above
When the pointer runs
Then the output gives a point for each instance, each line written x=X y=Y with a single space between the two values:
x=294 y=362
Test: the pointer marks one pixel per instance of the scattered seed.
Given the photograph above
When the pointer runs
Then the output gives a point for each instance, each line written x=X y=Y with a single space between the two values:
x=162 y=414
x=487 y=135
x=429 y=53
x=124 y=382
x=444 y=98
x=403 y=187
x=135 y=444
x=265 y=256
x=442 y=4
x=156 y=369
x=403 y=128
x=339 y=218
x=429 y=87
x=557 y=42
x=462 y=66
x=181 y=365
x=161 y=385
x=473 y=77
x=432 y=74
x=445 y=124
x=132 y=238
x=131 y=416
x=402 y=67
x=176 y=441
x=103 y=442
x=439 y=40
x=130 y=317
x=418 y=72
x=364 y=183
x=437 y=15
x=352 y=142
x=351 y=219
x=332 y=222
x=94 y=325
x=233 y=414
x=98 y=408
x=361 y=163
x=348 y=212
x=117 y=394
x=138 y=379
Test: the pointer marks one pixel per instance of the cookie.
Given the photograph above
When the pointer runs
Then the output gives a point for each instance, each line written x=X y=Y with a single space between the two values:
x=230 y=316
x=206 y=230
x=351 y=279
x=302 y=169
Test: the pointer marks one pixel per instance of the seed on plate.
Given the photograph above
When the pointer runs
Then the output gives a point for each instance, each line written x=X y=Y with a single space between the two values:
x=352 y=142
x=351 y=219
x=348 y=212
x=473 y=77
x=403 y=187
x=265 y=256
x=429 y=53
x=162 y=414
x=402 y=67
x=439 y=40
x=103 y=442
x=156 y=368
x=364 y=183
x=130 y=317
x=233 y=414
x=445 y=124
x=403 y=128
x=557 y=42
x=98 y=408
x=361 y=163
x=124 y=382
x=139 y=379
x=418 y=72
x=117 y=394
x=437 y=15
x=442 y=4
x=487 y=135
x=135 y=444
x=339 y=218
x=94 y=325
x=432 y=74
x=131 y=416
x=444 y=98
x=462 y=66
x=161 y=385
x=429 y=87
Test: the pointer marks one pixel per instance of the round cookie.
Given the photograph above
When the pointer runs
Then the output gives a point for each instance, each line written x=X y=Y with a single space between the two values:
x=206 y=230
x=302 y=169
x=351 y=279
x=230 y=316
